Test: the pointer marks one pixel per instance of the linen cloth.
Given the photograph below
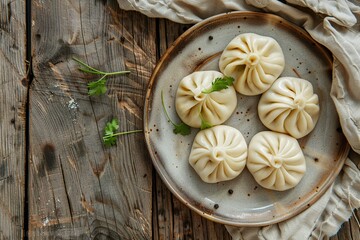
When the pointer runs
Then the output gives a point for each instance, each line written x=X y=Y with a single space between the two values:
x=335 y=24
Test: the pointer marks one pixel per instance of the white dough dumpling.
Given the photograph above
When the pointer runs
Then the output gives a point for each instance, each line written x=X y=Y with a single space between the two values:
x=254 y=61
x=218 y=153
x=275 y=160
x=290 y=106
x=193 y=106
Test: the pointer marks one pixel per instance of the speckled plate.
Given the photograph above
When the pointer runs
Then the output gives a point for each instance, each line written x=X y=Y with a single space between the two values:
x=242 y=202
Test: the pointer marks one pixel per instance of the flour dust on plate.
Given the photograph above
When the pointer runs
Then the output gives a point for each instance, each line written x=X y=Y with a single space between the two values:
x=241 y=201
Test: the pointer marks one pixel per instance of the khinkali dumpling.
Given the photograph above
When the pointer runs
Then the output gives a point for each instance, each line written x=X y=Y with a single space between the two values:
x=218 y=153
x=193 y=106
x=275 y=160
x=290 y=106
x=254 y=61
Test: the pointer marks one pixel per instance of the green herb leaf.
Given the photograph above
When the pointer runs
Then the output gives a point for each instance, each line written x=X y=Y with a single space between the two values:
x=110 y=133
x=181 y=128
x=109 y=141
x=86 y=68
x=98 y=87
x=219 y=84
x=204 y=124
x=111 y=126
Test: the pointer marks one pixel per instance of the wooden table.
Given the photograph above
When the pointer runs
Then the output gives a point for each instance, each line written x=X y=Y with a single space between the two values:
x=57 y=180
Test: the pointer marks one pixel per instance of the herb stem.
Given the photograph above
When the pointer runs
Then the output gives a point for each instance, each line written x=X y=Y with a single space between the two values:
x=207 y=91
x=94 y=70
x=115 y=73
x=97 y=87
x=89 y=69
x=128 y=132
x=101 y=78
x=166 y=113
x=107 y=137
x=204 y=124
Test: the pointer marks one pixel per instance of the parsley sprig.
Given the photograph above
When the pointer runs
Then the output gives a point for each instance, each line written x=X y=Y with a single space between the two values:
x=110 y=133
x=219 y=84
x=98 y=87
x=181 y=128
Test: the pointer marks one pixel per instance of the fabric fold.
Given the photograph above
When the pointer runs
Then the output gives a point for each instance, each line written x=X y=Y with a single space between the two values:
x=184 y=11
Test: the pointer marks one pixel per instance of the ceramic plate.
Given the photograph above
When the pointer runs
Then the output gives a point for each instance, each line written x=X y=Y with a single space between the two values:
x=241 y=201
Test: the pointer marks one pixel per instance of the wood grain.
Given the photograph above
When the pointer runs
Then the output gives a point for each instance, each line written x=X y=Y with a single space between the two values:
x=13 y=94
x=171 y=218
x=350 y=230
x=78 y=189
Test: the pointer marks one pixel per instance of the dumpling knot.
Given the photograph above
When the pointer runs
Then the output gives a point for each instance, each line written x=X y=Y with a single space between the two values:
x=299 y=103
x=218 y=154
x=198 y=95
x=275 y=161
x=252 y=59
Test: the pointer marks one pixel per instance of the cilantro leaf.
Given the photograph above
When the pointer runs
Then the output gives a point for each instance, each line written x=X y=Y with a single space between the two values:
x=110 y=133
x=98 y=87
x=181 y=128
x=219 y=84
x=112 y=126
x=109 y=130
x=109 y=140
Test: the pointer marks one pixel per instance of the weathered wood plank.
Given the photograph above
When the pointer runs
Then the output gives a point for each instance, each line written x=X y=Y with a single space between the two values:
x=349 y=230
x=171 y=218
x=162 y=211
x=13 y=94
x=354 y=225
x=79 y=189
x=344 y=233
